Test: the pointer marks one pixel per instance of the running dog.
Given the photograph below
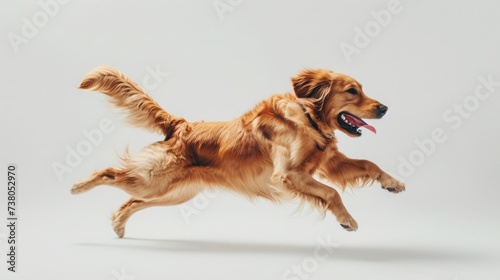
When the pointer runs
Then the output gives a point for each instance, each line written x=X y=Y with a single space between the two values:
x=273 y=151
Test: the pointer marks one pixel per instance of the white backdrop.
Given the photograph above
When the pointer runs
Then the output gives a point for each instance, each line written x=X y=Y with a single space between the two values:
x=434 y=63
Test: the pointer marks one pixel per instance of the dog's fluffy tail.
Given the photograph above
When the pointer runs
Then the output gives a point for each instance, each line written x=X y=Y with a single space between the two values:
x=125 y=94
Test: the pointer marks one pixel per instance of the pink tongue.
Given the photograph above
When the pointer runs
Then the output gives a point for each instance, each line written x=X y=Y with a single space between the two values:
x=370 y=128
x=360 y=123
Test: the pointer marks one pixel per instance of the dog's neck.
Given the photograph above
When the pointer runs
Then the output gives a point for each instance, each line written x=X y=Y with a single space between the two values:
x=316 y=127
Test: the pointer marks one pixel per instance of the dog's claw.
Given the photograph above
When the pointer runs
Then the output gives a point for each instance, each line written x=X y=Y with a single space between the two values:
x=81 y=187
x=394 y=190
x=120 y=232
x=76 y=189
x=395 y=185
x=348 y=224
x=348 y=228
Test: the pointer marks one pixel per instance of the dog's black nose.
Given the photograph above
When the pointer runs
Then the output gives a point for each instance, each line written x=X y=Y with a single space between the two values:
x=381 y=110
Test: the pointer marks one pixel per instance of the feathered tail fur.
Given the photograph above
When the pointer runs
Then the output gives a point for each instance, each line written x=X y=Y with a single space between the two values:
x=125 y=94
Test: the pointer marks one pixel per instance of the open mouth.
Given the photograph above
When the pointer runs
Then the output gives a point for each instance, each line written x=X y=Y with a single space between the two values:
x=353 y=124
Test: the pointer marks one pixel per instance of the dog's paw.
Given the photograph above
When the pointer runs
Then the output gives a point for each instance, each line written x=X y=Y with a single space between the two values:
x=118 y=225
x=119 y=230
x=348 y=223
x=83 y=186
x=391 y=184
x=78 y=188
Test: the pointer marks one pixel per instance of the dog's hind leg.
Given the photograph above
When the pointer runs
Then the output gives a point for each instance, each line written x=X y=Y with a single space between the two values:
x=177 y=196
x=127 y=180
x=145 y=176
x=107 y=176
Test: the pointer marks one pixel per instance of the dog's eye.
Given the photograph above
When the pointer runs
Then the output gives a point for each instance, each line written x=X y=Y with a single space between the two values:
x=352 y=91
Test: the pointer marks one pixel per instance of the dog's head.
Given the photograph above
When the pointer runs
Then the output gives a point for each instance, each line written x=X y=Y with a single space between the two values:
x=339 y=100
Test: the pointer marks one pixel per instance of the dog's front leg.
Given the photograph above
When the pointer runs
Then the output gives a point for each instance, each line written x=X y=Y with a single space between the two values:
x=293 y=179
x=345 y=171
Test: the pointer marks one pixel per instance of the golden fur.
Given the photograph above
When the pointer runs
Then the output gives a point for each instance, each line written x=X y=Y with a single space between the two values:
x=273 y=151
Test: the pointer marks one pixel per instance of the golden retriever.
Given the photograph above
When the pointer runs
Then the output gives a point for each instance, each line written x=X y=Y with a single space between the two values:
x=272 y=151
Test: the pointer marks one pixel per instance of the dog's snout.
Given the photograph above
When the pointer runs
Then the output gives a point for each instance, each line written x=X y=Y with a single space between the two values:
x=381 y=110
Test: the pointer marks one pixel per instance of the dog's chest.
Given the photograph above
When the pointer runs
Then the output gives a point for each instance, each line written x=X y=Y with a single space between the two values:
x=311 y=160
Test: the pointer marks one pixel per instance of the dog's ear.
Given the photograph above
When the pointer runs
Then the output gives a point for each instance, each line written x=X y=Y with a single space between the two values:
x=314 y=84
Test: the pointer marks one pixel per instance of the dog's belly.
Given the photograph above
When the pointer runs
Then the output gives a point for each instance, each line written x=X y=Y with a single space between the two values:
x=252 y=181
